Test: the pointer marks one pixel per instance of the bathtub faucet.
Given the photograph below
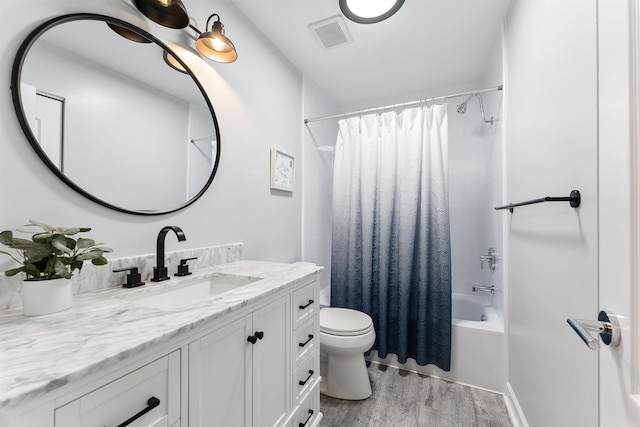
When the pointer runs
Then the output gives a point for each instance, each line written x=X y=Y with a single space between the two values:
x=479 y=288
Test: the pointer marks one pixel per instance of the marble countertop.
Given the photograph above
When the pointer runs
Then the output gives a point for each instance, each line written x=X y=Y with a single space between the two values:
x=40 y=354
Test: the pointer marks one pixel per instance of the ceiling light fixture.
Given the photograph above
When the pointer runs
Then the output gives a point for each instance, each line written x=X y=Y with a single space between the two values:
x=369 y=11
x=214 y=44
x=168 y=13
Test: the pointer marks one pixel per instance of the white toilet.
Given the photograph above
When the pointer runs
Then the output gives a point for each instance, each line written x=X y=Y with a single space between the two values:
x=345 y=335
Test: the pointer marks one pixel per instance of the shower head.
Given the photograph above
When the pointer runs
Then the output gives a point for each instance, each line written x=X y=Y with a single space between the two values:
x=462 y=108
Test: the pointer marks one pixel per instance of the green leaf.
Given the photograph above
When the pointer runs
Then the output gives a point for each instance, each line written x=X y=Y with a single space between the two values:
x=76 y=265
x=99 y=261
x=32 y=270
x=14 y=271
x=61 y=247
x=6 y=238
x=62 y=270
x=19 y=241
x=91 y=255
x=85 y=243
x=72 y=231
x=40 y=224
x=37 y=252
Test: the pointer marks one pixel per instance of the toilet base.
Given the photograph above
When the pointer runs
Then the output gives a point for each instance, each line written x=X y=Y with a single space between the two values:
x=344 y=376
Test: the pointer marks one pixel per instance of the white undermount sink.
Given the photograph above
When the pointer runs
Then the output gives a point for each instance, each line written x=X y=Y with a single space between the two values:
x=189 y=293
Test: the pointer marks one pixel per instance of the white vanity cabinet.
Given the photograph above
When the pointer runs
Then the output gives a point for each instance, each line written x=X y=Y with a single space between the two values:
x=239 y=374
x=257 y=365
x=148 y=396
x=305 y=353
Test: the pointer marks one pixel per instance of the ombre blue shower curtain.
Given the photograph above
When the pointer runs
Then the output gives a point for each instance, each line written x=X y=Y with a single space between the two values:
x=391 y=250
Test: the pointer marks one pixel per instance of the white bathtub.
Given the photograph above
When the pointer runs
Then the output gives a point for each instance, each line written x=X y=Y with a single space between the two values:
x=477 y=347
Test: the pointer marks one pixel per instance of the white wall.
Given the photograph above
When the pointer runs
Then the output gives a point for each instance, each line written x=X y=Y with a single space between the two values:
x=493 y=144
x=551 y=144
x=319 y=139
x=258 y=104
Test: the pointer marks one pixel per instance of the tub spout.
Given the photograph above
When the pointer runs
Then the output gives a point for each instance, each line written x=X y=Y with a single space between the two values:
x=480 y=288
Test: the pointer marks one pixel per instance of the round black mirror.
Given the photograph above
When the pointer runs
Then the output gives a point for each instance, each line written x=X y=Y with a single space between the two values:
x=111 y=118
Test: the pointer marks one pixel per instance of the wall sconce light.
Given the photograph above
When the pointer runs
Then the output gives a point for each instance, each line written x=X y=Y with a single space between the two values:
x=214 y=44
x=128 y=34
x=168 y=13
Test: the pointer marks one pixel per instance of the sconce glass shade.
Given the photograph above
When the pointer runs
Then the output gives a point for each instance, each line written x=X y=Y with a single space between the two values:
x=369 y=11
x=172 y=62
x=128 y=34
x=168 y=13
x=215 y=45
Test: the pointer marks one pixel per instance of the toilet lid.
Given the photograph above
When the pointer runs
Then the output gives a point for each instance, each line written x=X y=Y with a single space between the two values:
x=344 y=322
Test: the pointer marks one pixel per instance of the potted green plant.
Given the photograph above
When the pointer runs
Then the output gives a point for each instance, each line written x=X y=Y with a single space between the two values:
x=49 y=259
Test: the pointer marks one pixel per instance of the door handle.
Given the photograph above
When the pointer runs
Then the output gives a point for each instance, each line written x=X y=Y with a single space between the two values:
x=607 y=326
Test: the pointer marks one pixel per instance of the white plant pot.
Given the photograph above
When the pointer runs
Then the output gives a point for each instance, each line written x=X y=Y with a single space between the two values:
x=46 y=296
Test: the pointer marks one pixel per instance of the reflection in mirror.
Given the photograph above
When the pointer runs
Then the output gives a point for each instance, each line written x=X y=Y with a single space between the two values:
x=112 y=119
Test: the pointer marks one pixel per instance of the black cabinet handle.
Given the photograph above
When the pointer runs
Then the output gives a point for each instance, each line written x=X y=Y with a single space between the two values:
x=308 y=378
x=151 y=403
x=302 y=307
x=255 y=337
x=308 y=418
x=302 y=344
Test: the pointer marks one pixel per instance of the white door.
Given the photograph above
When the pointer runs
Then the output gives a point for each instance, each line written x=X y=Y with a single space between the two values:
x=619 y=210
x=45 y=114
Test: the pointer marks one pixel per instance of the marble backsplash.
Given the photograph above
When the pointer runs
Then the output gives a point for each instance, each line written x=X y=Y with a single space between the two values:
x=93 y=278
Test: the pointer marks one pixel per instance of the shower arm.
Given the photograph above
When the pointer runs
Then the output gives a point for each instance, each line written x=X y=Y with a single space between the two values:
x=484 y=119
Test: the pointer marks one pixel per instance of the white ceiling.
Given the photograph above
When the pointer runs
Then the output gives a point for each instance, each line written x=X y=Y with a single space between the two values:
x=427 y=44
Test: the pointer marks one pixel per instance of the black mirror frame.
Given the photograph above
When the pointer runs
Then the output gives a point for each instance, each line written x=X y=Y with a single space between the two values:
x=17 y=104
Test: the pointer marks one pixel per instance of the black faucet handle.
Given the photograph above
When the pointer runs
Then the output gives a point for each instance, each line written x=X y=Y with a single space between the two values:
x=183 y=268
x=134 y=279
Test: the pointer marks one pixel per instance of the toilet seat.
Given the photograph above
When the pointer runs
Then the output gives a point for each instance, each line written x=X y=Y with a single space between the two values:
x=344 y=322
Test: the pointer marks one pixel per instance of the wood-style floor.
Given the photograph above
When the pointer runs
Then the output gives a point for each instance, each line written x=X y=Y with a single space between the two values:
x=406 y=399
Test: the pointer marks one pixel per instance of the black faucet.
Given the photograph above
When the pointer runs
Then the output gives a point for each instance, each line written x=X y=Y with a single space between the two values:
x=160 y=271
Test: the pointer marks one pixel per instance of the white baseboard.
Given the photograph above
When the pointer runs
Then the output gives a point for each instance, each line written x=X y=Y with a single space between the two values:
x=513 y=408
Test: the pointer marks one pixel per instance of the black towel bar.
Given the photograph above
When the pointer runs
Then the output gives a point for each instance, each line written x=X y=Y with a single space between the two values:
x=573 y=199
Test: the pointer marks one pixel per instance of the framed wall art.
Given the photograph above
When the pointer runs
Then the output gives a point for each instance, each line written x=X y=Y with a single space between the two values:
x=282 y=170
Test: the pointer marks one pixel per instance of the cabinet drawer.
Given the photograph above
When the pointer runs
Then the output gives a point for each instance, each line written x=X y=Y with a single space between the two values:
x=305 y=304
x=305 y=340
x=308 y=412
x=305 y=376
x=152 y=390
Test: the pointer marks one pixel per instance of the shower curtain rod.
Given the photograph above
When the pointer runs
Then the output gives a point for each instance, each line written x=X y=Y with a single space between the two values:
x=402 y=104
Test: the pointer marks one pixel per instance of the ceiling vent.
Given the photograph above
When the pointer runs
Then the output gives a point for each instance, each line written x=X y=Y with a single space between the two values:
x=331 y=32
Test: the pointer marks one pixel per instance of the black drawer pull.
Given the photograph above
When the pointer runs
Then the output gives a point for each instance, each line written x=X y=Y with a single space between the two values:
x=308 y=418
x=302 y=344
x=308 y=378
x=151 y=403
x=255 y=337
x=302 y=307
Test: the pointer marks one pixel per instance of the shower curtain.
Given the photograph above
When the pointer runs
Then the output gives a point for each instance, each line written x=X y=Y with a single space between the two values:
x=391 y=251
